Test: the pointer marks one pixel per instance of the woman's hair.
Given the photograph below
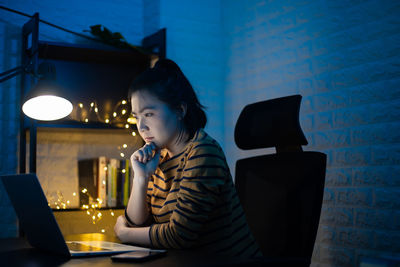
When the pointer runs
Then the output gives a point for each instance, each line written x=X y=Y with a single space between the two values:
x=167 y=82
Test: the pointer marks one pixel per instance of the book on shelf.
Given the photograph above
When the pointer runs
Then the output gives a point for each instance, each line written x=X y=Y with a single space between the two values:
x=113 y=166
x=126 y=183
x=88 y=179
x=107 y=181
x=102 y=181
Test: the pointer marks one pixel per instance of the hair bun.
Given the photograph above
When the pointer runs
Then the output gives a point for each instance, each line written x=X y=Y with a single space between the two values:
x=167 y=65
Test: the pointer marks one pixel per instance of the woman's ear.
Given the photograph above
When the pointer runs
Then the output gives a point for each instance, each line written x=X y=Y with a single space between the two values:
x=182 y=111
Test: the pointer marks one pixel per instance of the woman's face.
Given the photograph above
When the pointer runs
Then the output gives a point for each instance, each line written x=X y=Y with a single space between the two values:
x=156 y=122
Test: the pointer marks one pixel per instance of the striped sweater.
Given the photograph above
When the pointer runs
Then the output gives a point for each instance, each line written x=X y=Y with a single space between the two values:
x=194 y=204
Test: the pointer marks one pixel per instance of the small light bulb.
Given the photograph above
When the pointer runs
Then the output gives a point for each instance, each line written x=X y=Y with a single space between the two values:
x=123 y=102
x=86 y=120
x=123 y=171
x=102 y=230
x=123 y=112
x=133 y=133
x=124 y=145
x=107 y=120
x=80 y=105
x=92 y=104
x=96 y=109
x=74 y=194
x=122 y=155
x=127 y=126
x=115 y=114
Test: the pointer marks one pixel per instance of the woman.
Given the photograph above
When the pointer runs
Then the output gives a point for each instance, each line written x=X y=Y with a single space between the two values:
x=182 y=194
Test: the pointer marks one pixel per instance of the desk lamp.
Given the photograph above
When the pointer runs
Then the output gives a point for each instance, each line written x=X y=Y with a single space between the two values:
x=43 y=101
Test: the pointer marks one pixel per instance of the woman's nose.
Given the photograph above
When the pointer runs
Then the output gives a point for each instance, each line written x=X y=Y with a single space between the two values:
x=142 y=126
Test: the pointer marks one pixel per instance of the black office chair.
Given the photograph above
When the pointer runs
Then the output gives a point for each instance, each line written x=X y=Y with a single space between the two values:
x=281 y=193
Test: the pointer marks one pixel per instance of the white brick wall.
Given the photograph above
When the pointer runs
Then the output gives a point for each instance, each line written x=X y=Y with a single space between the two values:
x=194 y=41
x=10 y=37
x=121 y=16
x=343 y=57
x=151 y=16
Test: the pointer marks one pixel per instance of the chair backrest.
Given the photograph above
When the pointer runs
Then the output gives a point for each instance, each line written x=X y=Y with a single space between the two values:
x=281 y=193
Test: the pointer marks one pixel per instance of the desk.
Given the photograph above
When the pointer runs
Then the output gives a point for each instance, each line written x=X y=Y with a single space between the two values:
x=17 y=252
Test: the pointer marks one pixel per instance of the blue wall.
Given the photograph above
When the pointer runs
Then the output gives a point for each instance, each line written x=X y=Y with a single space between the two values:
x=342 y=56
x=194 y=41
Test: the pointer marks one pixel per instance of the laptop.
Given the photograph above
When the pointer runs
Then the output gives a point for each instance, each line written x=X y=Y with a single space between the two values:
x=42 y=231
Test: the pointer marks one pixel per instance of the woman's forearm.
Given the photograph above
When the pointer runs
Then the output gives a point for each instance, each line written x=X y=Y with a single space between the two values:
x=139 y=236
x=137 y=209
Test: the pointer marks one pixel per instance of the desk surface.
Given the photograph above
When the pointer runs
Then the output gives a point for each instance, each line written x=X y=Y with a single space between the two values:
x=17 y=252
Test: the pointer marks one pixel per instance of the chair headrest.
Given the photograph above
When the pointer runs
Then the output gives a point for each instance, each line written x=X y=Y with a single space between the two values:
x=271 y=123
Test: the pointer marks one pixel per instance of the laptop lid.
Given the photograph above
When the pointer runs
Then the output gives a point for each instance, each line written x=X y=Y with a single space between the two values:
x=35 y=216
x=37 y=220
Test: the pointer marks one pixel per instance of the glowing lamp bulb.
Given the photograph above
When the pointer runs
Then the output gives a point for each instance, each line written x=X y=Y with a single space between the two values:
x=47 y=108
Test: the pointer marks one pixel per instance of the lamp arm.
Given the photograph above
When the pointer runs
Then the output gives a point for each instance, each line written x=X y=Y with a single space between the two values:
x=11 y=73
x=4 y=76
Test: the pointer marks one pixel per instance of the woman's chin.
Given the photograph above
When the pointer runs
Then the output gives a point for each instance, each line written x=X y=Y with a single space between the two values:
x=157 y=145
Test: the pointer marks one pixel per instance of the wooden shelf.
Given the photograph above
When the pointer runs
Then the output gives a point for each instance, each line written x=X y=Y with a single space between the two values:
x=103 y=54
x=79 y=124
x=79 y=209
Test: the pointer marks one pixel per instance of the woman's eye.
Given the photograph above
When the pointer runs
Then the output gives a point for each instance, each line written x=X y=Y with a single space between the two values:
x=148 y=114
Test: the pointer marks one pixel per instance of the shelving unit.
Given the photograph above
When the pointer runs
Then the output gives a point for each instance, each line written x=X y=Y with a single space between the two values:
x=98 y=73
x=124 y=65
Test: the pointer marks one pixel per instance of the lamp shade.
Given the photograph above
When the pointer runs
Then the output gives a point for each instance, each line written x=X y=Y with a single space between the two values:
x=45 y=101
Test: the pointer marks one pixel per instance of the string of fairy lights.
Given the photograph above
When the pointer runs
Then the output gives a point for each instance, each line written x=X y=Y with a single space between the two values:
x=120 y=117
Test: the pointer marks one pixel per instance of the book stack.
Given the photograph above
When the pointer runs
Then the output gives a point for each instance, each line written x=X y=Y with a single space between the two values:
x=105 y=181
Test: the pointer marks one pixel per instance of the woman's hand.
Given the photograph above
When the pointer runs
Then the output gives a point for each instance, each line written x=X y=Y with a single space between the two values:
x=144 y=161
x=121 y=229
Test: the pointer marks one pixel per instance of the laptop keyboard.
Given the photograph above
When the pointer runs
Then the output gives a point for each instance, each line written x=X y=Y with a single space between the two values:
x=81 y=247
